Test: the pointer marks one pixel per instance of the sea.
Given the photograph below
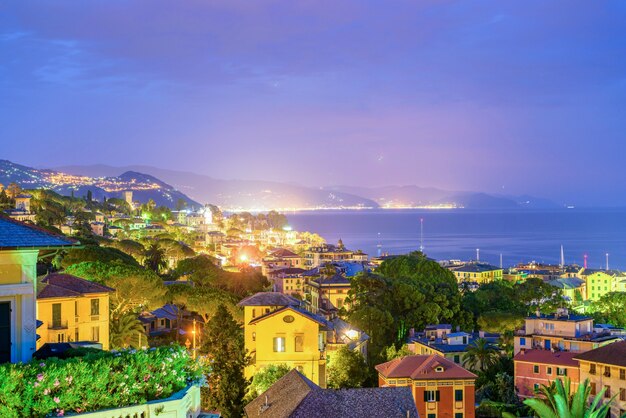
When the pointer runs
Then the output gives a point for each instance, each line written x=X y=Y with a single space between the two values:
x=515 y=236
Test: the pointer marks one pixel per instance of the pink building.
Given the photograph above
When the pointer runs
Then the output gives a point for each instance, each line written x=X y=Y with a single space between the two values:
x=534 y=368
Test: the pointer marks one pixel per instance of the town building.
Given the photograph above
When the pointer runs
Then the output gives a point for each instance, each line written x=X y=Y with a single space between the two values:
x=327 y=294
x=601 y=282
x=72 y=309
x=560 y=331
x=277 y=330
x=477 y=272
x=294 y=395
x=20 y=246
x=279 y=259
x=574 y=288
x=605 y=367
x=288 y=280
x=440 y=340
x=327 y=253
x=534 y=368
x=440 y=387
x=21 y=211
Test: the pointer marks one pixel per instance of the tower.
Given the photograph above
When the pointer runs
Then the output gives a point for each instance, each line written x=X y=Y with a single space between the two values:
x=562 y=258
x=421 y=235
x=477 y=254
x=585 y=265
x=607 y=261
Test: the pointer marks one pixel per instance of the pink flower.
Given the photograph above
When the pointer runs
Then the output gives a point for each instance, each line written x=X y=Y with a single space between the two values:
x=36 y=384
x=60 y=413
x=56 y=399
x=42 y=364
x=46 y=391
x=40 y=377
x=56 y=383
x=146 y=377
x=69 y=379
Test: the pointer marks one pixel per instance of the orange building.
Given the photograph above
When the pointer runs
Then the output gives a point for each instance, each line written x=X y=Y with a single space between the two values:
x=534 y=368
x=441 y=388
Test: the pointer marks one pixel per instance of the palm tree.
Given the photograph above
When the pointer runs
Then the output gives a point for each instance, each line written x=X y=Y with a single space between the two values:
x=126 y=331
x=155 y=258
x=480 y=355
x=560 y=403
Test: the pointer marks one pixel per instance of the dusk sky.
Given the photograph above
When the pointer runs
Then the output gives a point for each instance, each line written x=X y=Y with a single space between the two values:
x=497 y=96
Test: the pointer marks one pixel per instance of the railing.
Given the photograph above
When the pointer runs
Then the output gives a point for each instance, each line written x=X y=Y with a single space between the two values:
x=185 y=403
x=57 y=325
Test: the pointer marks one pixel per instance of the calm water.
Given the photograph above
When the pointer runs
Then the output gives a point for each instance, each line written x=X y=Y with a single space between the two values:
x=520 y=236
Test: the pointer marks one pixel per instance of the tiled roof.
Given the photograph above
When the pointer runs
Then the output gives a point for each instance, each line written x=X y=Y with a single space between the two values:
x=422 y=367
x=65 y=285
x=294 y=395
x=287 y=271
x=15 y=234
x=567 y=282
x=555 y=317
x=269 y=299
x=559 y=358
x=283 y=253
x=476 y=268
x=613 y=354
x=337 y=279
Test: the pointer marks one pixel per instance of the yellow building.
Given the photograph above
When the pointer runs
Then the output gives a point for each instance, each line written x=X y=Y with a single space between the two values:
x=573 y=288
x=601 y=282
x=278 y=331
x=323 y=289
x=72 y=309
x=477 y=272
x=605 y=367
x=328 y=253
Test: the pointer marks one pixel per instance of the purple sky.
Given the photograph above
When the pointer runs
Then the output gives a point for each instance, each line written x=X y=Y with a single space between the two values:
x=498 y=96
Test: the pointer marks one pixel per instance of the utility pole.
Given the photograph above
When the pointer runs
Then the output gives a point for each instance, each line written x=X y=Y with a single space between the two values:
x=421 y=235
x=477 y=254
x=194 y=338
x=607 y=261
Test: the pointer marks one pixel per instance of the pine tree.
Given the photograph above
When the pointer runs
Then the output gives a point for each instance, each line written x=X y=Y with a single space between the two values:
x=224 y=345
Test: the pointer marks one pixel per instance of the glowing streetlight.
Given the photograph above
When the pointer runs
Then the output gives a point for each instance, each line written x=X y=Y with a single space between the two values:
x=352 y=334
x=243 y=258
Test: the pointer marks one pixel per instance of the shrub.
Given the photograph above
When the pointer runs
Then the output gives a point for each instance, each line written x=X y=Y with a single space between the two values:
x=95 y=381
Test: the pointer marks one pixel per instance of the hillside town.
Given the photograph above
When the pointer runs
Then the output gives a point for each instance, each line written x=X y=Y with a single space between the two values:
x=237 y=314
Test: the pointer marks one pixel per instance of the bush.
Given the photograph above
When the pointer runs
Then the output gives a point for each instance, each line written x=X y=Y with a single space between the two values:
x=94 y=382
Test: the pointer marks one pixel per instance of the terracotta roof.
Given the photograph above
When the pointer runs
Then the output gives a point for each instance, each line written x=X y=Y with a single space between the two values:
x=269 y=299
x=422 y=367
x=65 y=285
x=283 y=253
x=15 y=234
x=614 y=354
x=294 y=395
x=287 y=271
x=559 y=358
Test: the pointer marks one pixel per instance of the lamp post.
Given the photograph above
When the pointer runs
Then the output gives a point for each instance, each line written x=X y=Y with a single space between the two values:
x=194 y=338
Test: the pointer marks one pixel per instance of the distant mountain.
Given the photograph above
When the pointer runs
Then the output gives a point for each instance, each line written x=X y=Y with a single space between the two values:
x=265 y=195
x=143 y=186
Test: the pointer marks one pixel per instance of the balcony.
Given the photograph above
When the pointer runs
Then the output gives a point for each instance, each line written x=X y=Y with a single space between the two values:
x=57 y=325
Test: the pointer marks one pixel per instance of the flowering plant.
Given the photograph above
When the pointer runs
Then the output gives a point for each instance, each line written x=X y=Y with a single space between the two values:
x=94 y=382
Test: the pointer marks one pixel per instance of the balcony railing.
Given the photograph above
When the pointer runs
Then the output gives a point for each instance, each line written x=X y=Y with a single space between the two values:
x=57 y=325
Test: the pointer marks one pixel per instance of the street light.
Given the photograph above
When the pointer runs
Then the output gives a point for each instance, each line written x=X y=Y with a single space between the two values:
x=352 y=334
x=194 y=338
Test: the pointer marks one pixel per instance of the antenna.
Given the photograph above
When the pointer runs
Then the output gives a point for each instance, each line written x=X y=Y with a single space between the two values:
x=477 y=254
x=500 y=260
x=607 y=261
x=585 y=260
x=562 y=258
x=421 y=235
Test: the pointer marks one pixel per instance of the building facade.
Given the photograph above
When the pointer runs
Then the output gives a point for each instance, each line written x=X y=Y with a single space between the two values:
x=534 y=368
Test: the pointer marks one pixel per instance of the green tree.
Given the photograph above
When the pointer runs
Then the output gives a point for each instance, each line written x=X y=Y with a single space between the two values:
x=535 y=294
x=393 y=353
x=480 y=355
x=96 y=253
x=127 y=331
x=610 y=308
x=264 y=378
x=224 y=346
x=560 y=403
x=154 y=258
x=346 y=369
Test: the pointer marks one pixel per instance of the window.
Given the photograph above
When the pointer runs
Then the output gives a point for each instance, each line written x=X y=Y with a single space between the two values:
x=56 y=315
x=279 y=344
x=254 y=336
x=95 y=306
x=592 y=369
x=254 y=313
x=622 y=394
x=76 y=335
x=593 y=388
x=61 y=338
x=561 y=371
x=622 y=374
x=607 y=371
x=76 y=310
x=431 y=396
x=432 y=415
x=458 y=395
x=536 y=386
x=457 y=358
x=535 y=369
x=95 y=333
x=522 y=341
x=549 y=370
x=299 y=343
x=458 y=415
x=607 y=392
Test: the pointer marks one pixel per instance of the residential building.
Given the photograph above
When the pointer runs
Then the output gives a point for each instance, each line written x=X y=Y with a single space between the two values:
x=440 y=340
x=288 y=280
x=605 y=367
x=561 y=331
x=72 y=309
x=440 y=387
x=277 y=330
x=294 y=395
x=534 y=368
x=327 y=293
x=327 y=253
x=477 y=272
x=574 y=288
x=601 y=282
x=21 y=211
x=20 y=246
x=281 y=258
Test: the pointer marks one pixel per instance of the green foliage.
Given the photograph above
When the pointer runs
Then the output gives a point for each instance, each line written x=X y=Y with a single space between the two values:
x=610 y=308
x=480 y=355
x=558 y=402
x=224 y=346
x=265 y=378
x=96 y=253
x=201 y=299
x=135 y=287
x=127 y=331
x=500 y=322
x=346 y=369
x=94 y=382
x=393 y=353
x=154 y=258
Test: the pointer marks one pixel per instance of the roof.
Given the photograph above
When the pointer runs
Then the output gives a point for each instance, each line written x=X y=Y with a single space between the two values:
x=293 y=395
x=422 y=367
x=433 y=327
x=317 y=318
x=15 y=234
x=556 y=317
x=287 y=271
x=59 y=285
x=269 y=299
x=567 y=282
x=587 y=272
x=558 y=358
x=336 y=279
x=614 y=354
x=476 y=268
x=283 y=253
